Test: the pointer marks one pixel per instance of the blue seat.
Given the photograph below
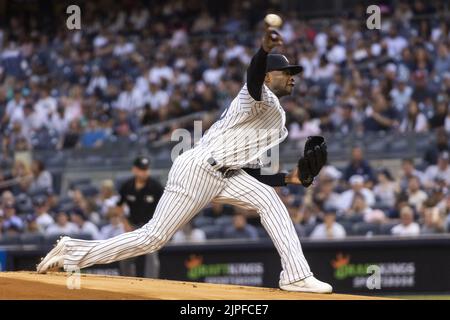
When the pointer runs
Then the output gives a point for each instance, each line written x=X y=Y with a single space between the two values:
x=88 y=190
x=385 y=229
x=201 y=221
x=309 y=229
x=213 y=231
x=78 y=182
x=363 y=228
x=348 y=226
x=82 y=236
x=51 y=240
x=6 y=240
x=223 y=221
x=262 y=233
x=32 y=238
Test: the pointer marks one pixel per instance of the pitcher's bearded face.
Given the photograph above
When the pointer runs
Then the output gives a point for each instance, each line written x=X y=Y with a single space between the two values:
x=280 y=82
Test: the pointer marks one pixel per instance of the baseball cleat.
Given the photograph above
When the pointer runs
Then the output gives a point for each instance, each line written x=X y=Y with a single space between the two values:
x=53 y=264
x=56 y=251
x=310 y=284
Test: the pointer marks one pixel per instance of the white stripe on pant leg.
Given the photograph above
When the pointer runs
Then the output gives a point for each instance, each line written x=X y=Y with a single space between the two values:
x=185 y=194
x=276 y=220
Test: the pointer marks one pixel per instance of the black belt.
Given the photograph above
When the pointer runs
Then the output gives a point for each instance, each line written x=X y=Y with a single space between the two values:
x=226 y=171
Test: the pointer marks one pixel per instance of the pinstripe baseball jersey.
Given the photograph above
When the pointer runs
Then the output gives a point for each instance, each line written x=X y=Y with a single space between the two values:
x=246 y=130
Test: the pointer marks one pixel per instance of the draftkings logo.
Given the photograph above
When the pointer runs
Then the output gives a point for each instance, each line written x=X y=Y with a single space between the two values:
x=374 y=275
x=247 y=273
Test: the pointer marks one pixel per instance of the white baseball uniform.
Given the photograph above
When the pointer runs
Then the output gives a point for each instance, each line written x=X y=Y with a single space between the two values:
x=246 y=130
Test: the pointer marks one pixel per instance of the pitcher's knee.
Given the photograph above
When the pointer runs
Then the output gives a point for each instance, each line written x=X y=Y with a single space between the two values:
x=152 y=240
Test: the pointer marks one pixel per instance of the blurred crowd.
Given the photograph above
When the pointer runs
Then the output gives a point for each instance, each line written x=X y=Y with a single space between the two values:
x=132 y=68
x=356 y=199
x=135 y=65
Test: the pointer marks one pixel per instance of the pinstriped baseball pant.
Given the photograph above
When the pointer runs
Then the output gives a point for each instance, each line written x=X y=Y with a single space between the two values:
x=192 y=184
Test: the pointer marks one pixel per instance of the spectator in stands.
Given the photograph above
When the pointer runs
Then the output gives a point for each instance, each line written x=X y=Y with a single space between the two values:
x=444 y=209
x=84 y=226
x=107 y=197
x=240 y=229
x=297 y=219
x=22 y=174
x=8 y=198
x=395 y=43
x=442 y=61
x=416 y=196
x=357 y=209
x=71 y=138
x=358 y=166
x=439 y=171
x=438 y=119
x=329 y=229
x=415 y=121
x=189 y=234
x=407 y=227
x=359 y=212
x=401 y=95
x=385 y=189
x=381 y=116
x=31 y=225
x=324 y=194
x=94 y=136
x=14 y=108
x=43 y=218
x=11 y=223
x=115 y=226
x=5 y=178
x=442 y=144
x=357 y=187
x=345 y=121
x=42 y=179
x=408 y=171
x=62 y=226
x=79 y=199
x=309 y=215
x=432 y=221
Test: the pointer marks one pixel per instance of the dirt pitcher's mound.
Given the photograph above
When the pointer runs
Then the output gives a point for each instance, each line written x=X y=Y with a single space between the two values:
x=29 y=285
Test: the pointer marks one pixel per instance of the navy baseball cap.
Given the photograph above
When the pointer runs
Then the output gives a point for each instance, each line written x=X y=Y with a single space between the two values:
x=142 y=163
x=279 y=62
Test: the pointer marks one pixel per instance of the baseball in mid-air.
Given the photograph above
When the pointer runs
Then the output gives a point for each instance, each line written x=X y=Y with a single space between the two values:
x=273 y=20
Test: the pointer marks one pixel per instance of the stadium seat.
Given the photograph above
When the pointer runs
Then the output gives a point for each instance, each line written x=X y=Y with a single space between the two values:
x=348 y=226
x=7 y=240
x=51 y=240
x=88 y=190
x=83 y=236
x=32 y=238
x=223 y=221
x=201 y=221
x=385 y=229
x=364 y=228
x=309 y=229
x=262 y=233
x=78 y=182
x=212 y=231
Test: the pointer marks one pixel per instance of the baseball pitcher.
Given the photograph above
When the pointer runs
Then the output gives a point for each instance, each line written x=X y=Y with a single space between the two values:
x=225 y=166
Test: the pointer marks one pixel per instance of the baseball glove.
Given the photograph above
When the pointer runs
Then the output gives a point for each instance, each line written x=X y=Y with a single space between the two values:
x=314 y=158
